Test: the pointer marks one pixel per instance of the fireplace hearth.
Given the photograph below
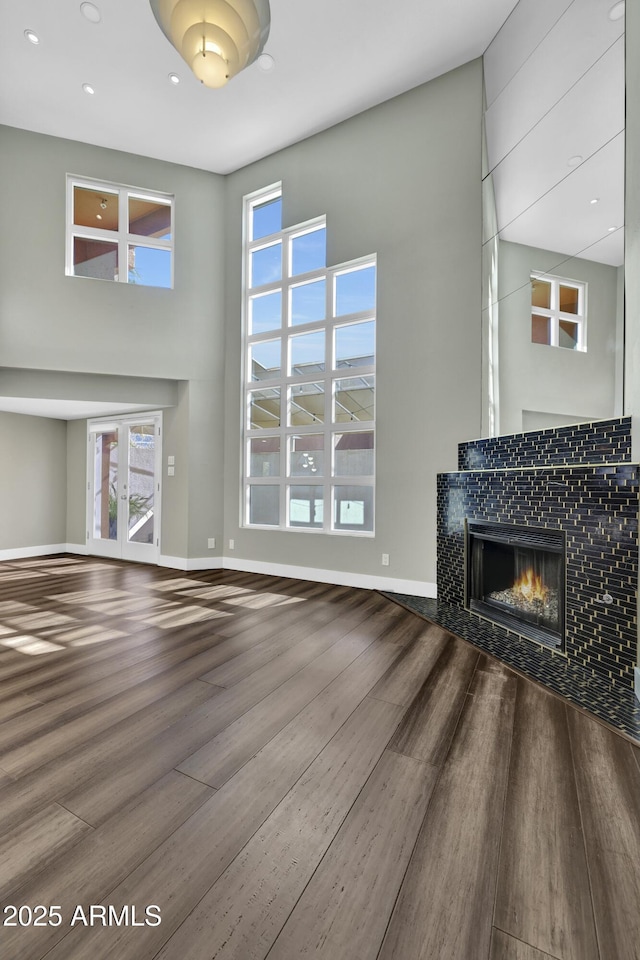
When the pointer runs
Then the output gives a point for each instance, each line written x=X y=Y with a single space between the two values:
x=515 y=576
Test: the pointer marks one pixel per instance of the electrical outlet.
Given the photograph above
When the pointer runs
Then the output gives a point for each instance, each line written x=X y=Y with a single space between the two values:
x=211 y=542
x=385 y=559
x=232 y=544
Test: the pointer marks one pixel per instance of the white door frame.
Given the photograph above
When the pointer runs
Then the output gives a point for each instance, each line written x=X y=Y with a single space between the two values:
x=122 y=547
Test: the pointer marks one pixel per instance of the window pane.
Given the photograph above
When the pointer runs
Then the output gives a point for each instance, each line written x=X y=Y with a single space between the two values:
x=306 y=506
x=355 y=291
x=149 y=218
x=149 y=267
x=353 y=508
x=264 y=505
x=306 y=456
x=308 y=302
x=353 y=455
x=95 y=208
x=307 y=353
x=95 y=258
x=355 y=344
x=568 y=334
x=306 y=404
x=265 y=312
x=541 y=294
x=540 y=329
x=354 y=399
x=309 y=251
x=266 y=218
x=264 y=457
x=266 y=265
x=264 y=360
x=264 y=409
x=568 y=299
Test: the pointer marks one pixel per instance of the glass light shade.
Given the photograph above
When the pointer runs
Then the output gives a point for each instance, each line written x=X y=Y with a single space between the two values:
x=230 y=33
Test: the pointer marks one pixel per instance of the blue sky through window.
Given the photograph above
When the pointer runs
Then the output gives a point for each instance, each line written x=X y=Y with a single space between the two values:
x=355 y=291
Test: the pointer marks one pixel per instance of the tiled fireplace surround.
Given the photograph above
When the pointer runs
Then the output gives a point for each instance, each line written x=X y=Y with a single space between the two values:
x=581 y=480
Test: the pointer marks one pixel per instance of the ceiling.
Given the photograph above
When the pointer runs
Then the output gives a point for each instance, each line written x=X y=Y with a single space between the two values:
x=333 y=59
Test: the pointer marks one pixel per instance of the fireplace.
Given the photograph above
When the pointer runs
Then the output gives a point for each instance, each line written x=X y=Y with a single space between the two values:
x=515 y=576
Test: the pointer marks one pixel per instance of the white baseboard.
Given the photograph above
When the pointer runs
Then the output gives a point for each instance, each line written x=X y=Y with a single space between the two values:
x=23 y=553
x=194 y=563
x=417 y=588
x=637 y=674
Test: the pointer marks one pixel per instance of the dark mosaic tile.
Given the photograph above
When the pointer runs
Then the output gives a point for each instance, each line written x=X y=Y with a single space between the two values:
x=596 y=442
x=614 y=703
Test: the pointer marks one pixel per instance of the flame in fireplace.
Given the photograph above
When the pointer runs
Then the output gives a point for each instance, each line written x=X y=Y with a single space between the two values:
x=531 y=587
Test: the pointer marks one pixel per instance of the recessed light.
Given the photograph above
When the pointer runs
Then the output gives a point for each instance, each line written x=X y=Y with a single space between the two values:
x=174 y=78
x=595 y=200
x=611 y=229
x=91 y=12
x=266 y=62
x=98 y=216
x=617 y=11
x=574 y=161
x=32 y=37
x=88 y=88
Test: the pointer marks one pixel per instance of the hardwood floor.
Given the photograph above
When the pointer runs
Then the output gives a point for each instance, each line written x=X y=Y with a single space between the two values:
x=292 y=770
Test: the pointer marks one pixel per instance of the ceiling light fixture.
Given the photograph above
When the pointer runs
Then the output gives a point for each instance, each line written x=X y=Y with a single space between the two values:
x=611 y=229
x=88 y=89
x=32 y=37
x=617 y=11
x=574 y=161
x=216 y=40
x=595 y=200
x=174 y=78
x=90 y=12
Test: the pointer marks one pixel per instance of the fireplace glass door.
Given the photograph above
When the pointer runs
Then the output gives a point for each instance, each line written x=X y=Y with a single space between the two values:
x=515 y=576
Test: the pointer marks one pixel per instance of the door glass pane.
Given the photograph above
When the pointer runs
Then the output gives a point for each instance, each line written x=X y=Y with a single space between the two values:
x=141 y=487
x=105 y=486
x=95 y=258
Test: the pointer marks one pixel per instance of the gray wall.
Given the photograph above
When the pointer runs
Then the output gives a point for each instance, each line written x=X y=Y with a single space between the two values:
x=402 y=180
x=536 y=379
x=33 y=482
x=51 y=322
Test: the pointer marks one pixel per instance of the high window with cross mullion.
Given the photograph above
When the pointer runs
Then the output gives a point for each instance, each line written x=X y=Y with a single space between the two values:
x=558 y=312
x=309 y=378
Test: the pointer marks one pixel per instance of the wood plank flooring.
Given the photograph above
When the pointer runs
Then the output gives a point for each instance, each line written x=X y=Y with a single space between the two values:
x=292 y=770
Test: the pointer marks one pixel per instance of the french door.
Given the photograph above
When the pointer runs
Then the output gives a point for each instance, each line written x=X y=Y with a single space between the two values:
x=123 y=501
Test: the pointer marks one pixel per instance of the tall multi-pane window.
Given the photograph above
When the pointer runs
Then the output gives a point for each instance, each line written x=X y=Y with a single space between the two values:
x=558 y=312
x=309 y=377
x=119 y=233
